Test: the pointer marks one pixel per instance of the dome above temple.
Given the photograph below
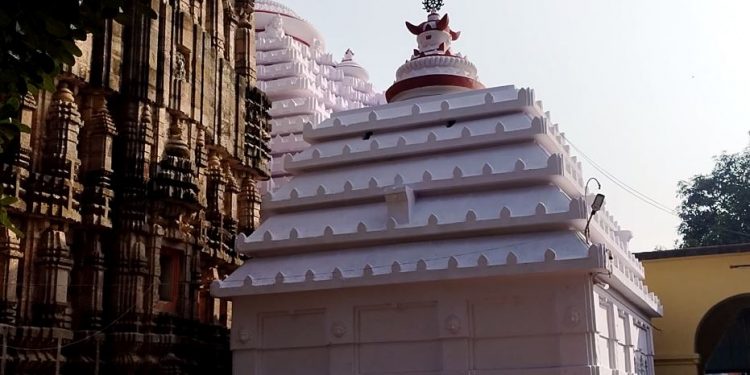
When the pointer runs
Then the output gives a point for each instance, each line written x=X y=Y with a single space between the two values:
x=351 y=68
x=276 y=8
x=266 y=12
x=434 y=69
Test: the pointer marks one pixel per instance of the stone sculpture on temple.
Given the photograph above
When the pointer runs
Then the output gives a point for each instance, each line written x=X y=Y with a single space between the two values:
x=129 y=197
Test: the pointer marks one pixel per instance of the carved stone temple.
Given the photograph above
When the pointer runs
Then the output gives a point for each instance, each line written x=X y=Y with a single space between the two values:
x=443 y=233
x=139 y=172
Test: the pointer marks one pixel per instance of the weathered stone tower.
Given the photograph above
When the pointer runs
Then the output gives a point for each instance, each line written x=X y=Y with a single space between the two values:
x=138 y=173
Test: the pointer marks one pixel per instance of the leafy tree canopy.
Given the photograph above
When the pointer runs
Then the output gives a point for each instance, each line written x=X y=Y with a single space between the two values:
x=37 y=38
x=715 y=208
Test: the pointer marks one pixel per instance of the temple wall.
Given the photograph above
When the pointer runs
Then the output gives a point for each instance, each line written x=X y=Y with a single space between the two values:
x=624 y=338
x=138 y=173
x=529 y=325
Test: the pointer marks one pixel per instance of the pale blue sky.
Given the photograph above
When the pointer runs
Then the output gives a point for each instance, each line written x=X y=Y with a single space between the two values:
x=649 y=89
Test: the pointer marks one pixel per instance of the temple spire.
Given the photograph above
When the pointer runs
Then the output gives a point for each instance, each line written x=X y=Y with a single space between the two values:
x=434 y=68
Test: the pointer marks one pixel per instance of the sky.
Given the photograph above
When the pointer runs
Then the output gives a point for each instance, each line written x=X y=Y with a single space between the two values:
x=649 y=90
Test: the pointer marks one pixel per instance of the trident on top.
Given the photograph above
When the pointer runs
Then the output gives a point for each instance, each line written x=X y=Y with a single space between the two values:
x=432 y=6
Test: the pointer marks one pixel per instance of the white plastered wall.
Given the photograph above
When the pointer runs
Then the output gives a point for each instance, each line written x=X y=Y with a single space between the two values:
x=530 y=325
x=624 y=337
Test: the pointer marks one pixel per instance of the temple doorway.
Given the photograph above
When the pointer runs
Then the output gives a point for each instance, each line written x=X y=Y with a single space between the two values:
x=723 y=338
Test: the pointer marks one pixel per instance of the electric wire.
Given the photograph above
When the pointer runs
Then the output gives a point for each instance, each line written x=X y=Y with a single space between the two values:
x=639 y=195
x=474 y=252
x=618 y=182
x=86 y=338
x=130 y=309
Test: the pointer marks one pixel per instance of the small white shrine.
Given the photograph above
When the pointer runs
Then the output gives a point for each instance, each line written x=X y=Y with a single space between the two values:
x=305 y=83
x=442 y=233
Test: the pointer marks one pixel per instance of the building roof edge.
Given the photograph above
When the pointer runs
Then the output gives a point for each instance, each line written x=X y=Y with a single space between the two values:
x=694 y=251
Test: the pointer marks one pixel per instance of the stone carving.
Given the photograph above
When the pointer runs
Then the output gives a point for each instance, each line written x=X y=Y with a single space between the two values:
x=180 y=67
x=244 y=336
x=245 y=14
x=229 y=7
x=573 y=316
x=10 y=257
x=338 y=330
x=122 y=212
x=453 y=324
x=275 y=29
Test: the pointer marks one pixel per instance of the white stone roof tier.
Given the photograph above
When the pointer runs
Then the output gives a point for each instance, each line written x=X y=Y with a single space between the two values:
x=280 y=56
x=329 y=72
x=443 y=209
x=296 y=106
x=278 y=166
x=283 y=70
x=295 y=124
x=264 y=42
x=486 y=256
x=325 y=59
x=284 y=144
x=291 y=87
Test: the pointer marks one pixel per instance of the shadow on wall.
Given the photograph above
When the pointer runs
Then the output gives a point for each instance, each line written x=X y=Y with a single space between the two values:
x=723 y=337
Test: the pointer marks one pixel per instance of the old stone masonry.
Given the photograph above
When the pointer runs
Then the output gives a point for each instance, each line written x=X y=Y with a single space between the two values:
x=138 y=173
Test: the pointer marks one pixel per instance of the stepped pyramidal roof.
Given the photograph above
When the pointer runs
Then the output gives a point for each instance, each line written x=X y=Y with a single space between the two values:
x=447 y=180
x=444 y=232
x=458 y=185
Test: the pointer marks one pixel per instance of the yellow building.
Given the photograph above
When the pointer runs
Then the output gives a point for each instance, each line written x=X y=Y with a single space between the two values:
x=706 y=297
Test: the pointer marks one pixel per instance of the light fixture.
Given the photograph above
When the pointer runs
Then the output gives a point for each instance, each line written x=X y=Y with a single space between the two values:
x=602 y=284
x=597 y=204
x=586 y=189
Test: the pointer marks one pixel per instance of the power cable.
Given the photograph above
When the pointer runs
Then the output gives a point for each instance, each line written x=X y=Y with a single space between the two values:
x=506 y=246
x=639 y=195
x=88 y=337
x=120 y=317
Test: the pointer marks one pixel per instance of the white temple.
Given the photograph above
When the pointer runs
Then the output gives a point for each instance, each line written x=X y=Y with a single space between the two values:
x=305 y=83
x=442 y=233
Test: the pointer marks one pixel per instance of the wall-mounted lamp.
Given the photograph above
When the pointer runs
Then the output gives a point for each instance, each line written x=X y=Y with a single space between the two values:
x=596 y=205
x=602 y=284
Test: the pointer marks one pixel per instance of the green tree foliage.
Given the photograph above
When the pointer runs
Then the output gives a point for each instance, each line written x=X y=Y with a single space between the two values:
x=37 y=38
x=715 y=208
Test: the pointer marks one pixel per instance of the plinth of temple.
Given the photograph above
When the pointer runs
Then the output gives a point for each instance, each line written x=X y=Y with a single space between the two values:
x=442 y=233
